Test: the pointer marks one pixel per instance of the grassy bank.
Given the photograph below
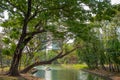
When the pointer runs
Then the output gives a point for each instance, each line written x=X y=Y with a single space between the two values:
x=26 y=76
x=75 y=66
x=22 y=77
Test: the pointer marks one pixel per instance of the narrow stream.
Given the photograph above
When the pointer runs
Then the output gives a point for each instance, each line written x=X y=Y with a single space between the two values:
x=59 y=73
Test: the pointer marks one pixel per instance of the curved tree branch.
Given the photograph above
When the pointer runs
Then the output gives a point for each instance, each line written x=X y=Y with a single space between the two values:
x=60 y=55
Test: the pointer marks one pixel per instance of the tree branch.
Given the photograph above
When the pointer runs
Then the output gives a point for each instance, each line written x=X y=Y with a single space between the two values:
x=69 y=52
x=27 y=17
x=48 y=61
x=29 y=9
x=39 y=11
x=54 y=8
x=30 y=36
x=38 y=24
x=35 y=32
x=15 y=6
x=34 y=14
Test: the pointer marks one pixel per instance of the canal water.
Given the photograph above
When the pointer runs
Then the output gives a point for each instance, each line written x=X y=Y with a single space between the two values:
x=60 y=73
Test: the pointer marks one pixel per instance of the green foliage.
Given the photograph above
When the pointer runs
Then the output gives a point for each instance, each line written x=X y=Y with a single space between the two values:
x=6 y=40
x=10 y=50
x=6 y=52
x=50 y=54
x=101 y=44
x=28 y=19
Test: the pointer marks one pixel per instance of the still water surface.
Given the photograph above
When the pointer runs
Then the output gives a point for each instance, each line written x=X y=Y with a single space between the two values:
x=59 y=73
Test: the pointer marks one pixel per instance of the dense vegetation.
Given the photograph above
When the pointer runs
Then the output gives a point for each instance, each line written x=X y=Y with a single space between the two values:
x=34 y=25
x=101 y=48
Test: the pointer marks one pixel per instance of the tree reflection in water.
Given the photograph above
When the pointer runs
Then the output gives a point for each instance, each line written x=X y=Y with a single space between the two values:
x=65 y=74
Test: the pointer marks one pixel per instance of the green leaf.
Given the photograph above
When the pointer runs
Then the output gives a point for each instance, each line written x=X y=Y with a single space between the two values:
x=6 y=52
x=6 y=40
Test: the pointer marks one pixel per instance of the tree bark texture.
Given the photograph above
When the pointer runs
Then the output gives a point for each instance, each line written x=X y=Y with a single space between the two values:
x=13 y=71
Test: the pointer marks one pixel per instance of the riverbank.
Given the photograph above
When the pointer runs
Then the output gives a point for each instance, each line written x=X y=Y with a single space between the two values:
x=99 y=72
x=105 y=74
x=21 y=77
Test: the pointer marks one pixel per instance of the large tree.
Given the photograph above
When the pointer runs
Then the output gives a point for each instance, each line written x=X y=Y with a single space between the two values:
x=28 y=18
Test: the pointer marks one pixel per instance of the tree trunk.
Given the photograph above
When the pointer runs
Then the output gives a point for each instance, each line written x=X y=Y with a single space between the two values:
x=1 y=61
x=13 y=71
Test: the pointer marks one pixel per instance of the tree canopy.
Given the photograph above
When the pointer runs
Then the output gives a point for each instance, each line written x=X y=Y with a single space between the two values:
x=64 y=19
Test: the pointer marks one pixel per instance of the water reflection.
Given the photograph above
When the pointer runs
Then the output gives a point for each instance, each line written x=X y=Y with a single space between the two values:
x=87 y=76
x=65 y=74
x=48 y=74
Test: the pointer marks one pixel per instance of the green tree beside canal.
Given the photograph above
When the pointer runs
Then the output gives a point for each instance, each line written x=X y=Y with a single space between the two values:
x=63 y=19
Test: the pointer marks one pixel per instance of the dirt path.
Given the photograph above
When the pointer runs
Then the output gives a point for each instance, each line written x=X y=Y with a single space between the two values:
x=22 y=77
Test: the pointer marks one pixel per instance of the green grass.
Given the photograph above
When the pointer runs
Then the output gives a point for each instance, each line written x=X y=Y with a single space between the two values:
x=5 y=69
x=75 y=66
x=79 y=66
